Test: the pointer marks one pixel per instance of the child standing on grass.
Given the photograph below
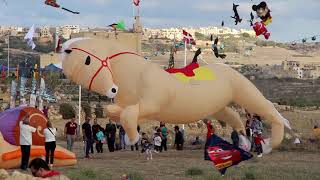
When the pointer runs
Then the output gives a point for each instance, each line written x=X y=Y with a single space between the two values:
x=257 y=141
x=146 y=146
x=157 y=142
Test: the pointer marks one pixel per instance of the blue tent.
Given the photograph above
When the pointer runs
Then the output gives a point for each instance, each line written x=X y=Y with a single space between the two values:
x=52 y=68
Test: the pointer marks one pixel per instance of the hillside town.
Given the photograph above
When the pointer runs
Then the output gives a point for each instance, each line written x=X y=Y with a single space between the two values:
x=292 y=65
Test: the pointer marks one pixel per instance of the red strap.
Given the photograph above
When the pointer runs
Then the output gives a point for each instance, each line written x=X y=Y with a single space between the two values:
x=104 y=62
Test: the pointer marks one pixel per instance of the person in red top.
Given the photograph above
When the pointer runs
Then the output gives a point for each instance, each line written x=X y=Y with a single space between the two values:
x=257 y=141
x=70 y=132
x=210 y=132
x=40 y=168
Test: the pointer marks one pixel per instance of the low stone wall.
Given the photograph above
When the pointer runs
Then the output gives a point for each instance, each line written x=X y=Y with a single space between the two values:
x=290 y=91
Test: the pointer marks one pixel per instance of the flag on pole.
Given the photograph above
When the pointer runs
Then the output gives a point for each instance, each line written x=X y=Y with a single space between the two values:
x=136 y=2
x=187 y=37
x=29 y=37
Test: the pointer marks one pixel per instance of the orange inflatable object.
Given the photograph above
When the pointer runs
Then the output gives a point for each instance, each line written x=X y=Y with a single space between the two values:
x=10 y=155
x=10 y=129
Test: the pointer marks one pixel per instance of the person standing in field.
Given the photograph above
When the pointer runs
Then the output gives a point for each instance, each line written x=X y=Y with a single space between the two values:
x=25 y=140
x=50 y=143
x=70 y=132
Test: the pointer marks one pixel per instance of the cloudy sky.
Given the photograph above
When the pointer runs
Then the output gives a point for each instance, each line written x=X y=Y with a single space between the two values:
x=292 y=19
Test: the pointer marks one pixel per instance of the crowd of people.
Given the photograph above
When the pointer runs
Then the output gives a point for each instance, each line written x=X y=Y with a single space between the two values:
x=93 y=133
x=114 y=136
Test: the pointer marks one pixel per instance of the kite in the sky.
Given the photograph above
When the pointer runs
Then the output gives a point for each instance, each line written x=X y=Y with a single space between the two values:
x=304 y=40
x=263 y=12
x=215 y=48
x=236 y=14
x=53 y=3
x=222 y=24
x=136 y=2
x=29 y=37
x=251 y=19
x=118 y=25
x=261 y=29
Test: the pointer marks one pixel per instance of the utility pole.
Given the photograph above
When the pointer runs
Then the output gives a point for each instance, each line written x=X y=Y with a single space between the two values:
x=79 y=112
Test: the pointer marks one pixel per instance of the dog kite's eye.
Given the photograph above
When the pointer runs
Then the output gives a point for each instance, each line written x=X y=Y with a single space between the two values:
x=68 y=51
x=88 y=60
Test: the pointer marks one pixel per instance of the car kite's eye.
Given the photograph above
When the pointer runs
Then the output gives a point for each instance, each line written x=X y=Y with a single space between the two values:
x=88 y=60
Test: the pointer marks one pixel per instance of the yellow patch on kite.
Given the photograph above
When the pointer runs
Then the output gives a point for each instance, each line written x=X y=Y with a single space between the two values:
x=201 y=73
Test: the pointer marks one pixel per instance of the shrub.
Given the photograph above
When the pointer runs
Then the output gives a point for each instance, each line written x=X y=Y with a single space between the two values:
x=98 y=111
x=194 y=171
x=67 y=111
x=246 y=35
x=87 y=109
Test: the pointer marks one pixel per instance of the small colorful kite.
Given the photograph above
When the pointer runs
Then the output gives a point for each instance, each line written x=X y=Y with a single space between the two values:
x=263 y=12
x=304 y=40
x=118 y=25
x=136 y=2
x=215 y=48
x=224 y=155
x=261 y=29
x=54 y=4
x=251 y=19
x=236 y=14
x=187 y=38
x=29 y=37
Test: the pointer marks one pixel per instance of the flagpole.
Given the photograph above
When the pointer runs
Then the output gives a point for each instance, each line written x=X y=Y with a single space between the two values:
x=8 y=55
x=185 y=62
x=185 y=53
x=79 y=112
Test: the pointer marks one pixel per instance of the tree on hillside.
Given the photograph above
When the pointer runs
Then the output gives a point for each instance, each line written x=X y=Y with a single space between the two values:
x=67 y=111
x=246 y=35
x=200 y=36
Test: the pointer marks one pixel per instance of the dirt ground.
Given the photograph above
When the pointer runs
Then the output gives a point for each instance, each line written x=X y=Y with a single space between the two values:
x=173 y=165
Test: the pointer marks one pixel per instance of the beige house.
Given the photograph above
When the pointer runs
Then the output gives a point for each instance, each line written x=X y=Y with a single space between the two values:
x=130 y=39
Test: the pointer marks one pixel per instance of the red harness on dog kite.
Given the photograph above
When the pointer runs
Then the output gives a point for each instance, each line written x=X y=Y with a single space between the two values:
x=104 y=62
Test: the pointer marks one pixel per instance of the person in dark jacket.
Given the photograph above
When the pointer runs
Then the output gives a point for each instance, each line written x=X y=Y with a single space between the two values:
x=95 y=129
x=122 y=134
x=235 y=138
x=178 y=142
x=110 y=133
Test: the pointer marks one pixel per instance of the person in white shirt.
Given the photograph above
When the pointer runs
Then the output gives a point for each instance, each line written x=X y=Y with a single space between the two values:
x=157 y=142
x=50 y=145
x=25 y=140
